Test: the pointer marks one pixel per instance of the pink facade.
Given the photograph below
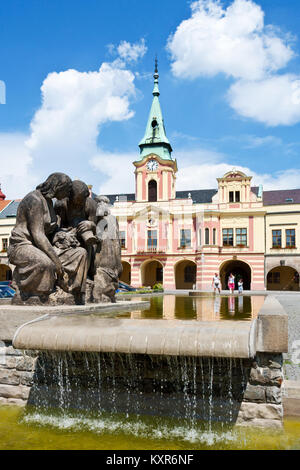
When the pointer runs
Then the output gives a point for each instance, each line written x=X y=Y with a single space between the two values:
x=182 y=243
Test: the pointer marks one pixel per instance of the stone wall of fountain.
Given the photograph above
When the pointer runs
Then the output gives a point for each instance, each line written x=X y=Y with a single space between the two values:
x=16 y=374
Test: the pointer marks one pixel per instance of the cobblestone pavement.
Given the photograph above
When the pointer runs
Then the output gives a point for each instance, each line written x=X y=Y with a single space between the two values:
x=291 y=304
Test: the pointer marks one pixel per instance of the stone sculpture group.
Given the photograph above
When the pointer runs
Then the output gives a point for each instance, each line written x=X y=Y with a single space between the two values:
x=67 y=251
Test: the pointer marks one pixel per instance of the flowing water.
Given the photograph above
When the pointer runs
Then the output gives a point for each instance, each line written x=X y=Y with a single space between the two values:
x=187 y=388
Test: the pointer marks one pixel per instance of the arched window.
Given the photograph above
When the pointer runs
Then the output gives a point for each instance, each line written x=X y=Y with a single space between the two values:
x=214 y=236
x=207 y=236
x=152 y=191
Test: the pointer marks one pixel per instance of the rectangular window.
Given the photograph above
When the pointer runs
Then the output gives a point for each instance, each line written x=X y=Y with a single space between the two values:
x=237 y=196
x=207 y=236
x=190 y=274
x=276 y=238
x=152 y=240
x=274 y=278
x=241 y=237
x=4 y=244
x=227 y=237
x=122 y=238
x=231 y=196
x=159 y=274
x=185 y=238
x=290 y=238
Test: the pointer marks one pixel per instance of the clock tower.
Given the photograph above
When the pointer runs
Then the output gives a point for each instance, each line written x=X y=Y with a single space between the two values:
x=155 y=172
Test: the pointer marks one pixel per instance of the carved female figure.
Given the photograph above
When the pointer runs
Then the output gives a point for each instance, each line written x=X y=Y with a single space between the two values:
x=30 y=250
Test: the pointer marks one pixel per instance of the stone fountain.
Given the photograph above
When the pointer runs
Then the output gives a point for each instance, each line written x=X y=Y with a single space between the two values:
x=228 y=371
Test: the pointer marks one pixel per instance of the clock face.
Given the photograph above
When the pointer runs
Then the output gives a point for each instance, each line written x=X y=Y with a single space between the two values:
x=152 y=165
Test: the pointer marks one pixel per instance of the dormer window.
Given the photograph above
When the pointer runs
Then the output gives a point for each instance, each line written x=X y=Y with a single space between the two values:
x=234 y=196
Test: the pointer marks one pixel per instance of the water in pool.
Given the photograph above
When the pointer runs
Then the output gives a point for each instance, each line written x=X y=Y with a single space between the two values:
x=31 y=429
x=202 y=308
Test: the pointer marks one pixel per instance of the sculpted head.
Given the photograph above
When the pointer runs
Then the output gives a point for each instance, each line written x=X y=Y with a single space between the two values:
x=102 y=206
x=79 y=192
x=57 y=185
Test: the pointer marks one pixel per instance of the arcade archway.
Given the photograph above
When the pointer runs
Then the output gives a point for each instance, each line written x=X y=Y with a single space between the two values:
x=240 y=270
x=126 y=273
x=5 y=273
x=185 y=274
x=283 y=278
x=151 y=273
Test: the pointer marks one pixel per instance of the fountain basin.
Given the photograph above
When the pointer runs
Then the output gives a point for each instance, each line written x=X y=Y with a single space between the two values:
x=228 y=371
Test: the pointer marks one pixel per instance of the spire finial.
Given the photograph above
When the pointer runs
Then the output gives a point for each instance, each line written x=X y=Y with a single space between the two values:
x=156 y=69
x=155 y=76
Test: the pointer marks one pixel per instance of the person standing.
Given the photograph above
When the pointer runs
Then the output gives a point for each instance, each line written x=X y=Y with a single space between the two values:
x=216 y=283
x=231 y=283
x=241 y=286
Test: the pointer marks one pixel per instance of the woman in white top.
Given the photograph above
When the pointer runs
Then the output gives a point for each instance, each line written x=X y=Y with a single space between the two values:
x=216 y=283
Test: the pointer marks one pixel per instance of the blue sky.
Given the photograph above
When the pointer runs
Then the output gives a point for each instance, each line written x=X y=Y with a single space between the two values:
x=229 y=82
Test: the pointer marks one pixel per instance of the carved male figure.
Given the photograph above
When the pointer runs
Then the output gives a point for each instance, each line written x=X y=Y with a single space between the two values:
x=108 y=264
x=78 y=211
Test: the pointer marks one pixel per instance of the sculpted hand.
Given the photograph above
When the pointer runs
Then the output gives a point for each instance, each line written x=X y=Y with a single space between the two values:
x=63 y=282
x=60 y=270
x=85 y=225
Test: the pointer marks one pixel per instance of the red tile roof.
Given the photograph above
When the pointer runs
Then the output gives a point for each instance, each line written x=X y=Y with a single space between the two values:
x=3 y=204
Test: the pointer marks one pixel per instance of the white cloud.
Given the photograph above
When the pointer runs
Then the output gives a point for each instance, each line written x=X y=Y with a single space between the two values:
x=195 y=174
x=203 y=167
x=252 y=141
x=17 y=176
x=274 y=100
x=132 y=52
x=233 y=41
x=74 y=106
x=64 y=130
x=204 y=176
x=118 y=170
x=236 y=42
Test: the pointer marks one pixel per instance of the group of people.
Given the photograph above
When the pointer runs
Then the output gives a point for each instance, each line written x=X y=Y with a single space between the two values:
x=216 y=283
x=62 y=238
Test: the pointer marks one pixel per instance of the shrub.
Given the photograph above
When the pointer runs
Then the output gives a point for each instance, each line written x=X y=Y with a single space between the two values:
x=158 y=287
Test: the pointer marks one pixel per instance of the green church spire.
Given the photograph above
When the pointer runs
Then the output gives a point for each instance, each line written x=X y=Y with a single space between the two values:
x=155 y=139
